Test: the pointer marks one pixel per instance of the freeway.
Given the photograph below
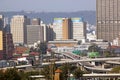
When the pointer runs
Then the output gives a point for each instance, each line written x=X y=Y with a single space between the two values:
x=85 y=60
x=113 y=62
x=18 y=67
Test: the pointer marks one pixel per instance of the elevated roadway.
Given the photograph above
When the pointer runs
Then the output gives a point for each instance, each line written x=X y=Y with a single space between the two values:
x=18 y=67
x=85 y=60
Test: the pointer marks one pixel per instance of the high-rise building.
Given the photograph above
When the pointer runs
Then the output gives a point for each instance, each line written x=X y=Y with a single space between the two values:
x=1 y=22
x=45 y=32
x=57 y=29
x=79 y=28
x=6 y=45
x=49 y=32
x=34 y=33
x=62 y=28
x=18 y=28
x=108 y=19
x=69 y=28
x=1 y=40
x=35 y=21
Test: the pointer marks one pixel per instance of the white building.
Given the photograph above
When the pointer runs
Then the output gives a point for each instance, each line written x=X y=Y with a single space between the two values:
x=79 y=28
x=69 y=28
x=18 y=26
x=57 y=28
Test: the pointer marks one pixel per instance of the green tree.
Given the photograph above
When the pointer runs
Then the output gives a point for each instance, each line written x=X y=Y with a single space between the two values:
x=115 y=70
x=1 y=75
x=78 y=73
x=93 y=48
x=79 y=42
x=65 y=71
x=106 y=54
x=12 y=74
x=41 y=47
x=46 y=72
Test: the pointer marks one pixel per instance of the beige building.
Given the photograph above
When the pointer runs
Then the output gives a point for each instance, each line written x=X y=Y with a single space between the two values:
x=18 y=28
x=69 y=28
x=1 y=40
x=66 y=29
x=62 y=28
x=57 y=29
x=78 y=28
x=108 y=19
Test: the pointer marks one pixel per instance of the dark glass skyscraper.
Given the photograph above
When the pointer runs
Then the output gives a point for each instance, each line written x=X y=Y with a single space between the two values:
x=108 y=19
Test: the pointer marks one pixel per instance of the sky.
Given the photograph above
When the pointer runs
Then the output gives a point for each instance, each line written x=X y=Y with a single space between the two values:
x=47 y=5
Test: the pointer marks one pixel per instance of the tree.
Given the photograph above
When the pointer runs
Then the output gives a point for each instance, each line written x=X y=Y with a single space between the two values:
x=79 y=42
x=78 y=73
x=65 y=71
x=115 y=70
x=12 y=74
x=46 y=72
x=41 y=47
x=1 y=75
x=93 y=48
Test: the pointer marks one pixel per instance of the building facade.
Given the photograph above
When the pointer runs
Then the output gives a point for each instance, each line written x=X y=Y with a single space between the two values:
x=69 y=28
x=1 y=43
x=108 y=19
x=34 y=33
x=57 y=29
x=6 y=45
x=18 y=28
x=79 y=28
x=35 y=21
x=1 y=22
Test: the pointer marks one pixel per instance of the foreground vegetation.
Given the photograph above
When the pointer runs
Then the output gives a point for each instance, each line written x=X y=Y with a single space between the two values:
x=47 y=71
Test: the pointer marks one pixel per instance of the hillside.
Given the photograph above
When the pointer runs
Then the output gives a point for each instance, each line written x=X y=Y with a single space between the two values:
x=47 y=17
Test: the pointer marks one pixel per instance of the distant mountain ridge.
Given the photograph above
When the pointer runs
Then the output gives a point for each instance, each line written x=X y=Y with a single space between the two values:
x=48 y=17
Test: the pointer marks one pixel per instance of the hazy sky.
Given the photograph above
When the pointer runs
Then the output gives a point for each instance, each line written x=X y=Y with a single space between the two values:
x=47 y=5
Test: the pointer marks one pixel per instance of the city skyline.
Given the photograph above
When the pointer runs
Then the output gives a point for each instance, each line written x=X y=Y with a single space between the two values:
x=47 y=6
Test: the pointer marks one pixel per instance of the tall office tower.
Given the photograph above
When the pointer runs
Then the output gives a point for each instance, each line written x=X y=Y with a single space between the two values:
x=50 y=32
x=79 y=28
x=62 y=28
x=57 y=29
x=45 y=31
x=108 y=19
x=35 y=21
x=34 y=33
x=67 y=29
x=1 y=22
x=6 y=45
x=1 y=43
x=18 y=28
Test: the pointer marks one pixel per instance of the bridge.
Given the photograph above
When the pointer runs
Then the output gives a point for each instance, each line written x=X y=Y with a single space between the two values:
x=85 y=60
x=18 y=67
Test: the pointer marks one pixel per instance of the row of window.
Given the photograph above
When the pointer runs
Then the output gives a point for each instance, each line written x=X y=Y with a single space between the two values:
x=102 y=22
